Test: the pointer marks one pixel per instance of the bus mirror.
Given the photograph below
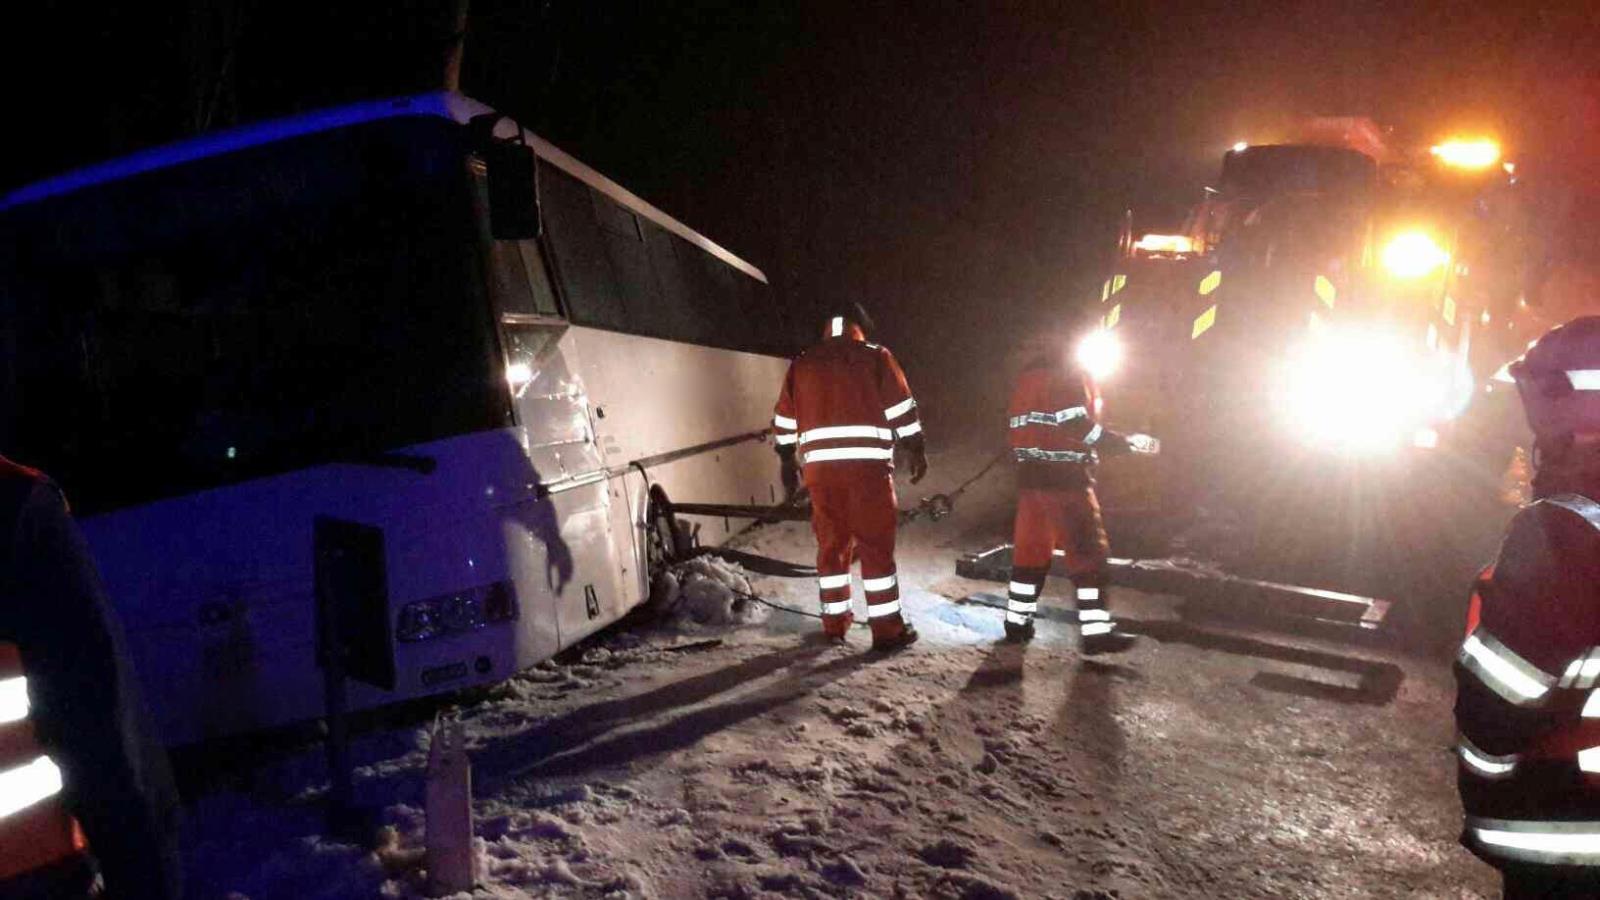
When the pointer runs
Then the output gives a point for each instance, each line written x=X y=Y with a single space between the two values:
x=512 y=172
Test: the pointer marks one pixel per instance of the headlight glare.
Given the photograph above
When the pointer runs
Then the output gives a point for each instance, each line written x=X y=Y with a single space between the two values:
x=1100 y=354
x=1413 y=254
x=1360 y=391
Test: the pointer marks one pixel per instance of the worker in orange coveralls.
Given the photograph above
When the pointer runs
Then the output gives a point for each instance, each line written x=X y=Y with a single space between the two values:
x=844 y=407
x=1055 y=438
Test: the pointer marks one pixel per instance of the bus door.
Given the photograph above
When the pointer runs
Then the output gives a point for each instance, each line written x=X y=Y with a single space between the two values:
x=559 y=528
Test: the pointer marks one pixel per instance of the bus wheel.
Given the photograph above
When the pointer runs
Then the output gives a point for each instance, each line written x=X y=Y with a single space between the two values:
x=664 y=545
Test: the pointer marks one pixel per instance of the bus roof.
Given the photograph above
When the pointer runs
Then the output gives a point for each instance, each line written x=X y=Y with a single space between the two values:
x=443 y=104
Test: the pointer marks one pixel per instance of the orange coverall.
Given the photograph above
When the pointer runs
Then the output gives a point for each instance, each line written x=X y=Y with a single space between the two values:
x=1053 y=435
x=844 y=404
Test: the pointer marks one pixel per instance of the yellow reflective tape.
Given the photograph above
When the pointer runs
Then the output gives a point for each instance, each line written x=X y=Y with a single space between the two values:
x=1449 y=309
x=1105 y=291
x=1118 y=282
x=1113 y=316
x=1317 y=325
x=1433 y=336
x=1325 y=291
x=1203 y=322
x=1210 y=282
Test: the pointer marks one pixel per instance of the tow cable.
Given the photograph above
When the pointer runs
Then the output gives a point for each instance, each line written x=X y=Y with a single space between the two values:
x=938 y=506
x=934 y=508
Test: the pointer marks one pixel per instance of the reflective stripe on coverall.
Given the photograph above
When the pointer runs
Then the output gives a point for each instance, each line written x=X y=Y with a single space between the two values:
x=36 y=832
x=1527 y=705
x=844 y=404
x=83 y=702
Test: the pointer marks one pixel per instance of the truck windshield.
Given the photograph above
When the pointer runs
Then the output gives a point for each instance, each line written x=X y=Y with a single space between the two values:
x=1266 y=171
x=300 y=302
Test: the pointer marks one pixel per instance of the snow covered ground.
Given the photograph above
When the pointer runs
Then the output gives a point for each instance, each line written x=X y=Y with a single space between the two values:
x=1204 y=763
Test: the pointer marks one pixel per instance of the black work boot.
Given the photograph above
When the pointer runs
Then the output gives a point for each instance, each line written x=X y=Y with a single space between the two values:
x=1110 y=642
x=1019 y=634
x=907 y=636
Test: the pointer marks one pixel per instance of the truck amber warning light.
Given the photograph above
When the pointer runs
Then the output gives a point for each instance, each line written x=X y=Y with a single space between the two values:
x=1165 y=244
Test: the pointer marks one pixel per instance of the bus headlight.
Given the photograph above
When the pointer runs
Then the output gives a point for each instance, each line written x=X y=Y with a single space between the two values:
x=419 y=621
x=1100 y=354
x=1361 y=391
x=456 y=613
x=1413 y=254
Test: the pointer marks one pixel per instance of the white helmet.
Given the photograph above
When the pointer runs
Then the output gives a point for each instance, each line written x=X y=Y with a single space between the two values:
x=1559 y=380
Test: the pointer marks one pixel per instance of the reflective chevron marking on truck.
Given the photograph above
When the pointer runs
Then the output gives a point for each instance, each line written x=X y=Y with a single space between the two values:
x=1325 y=291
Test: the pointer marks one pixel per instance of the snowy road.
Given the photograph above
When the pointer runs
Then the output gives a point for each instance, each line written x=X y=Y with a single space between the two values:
x=1203 y=763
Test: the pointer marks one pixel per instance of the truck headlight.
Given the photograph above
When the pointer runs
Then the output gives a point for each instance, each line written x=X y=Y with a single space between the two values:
x=1474 y=153
x=1100 y=354
x=1413 y=254
x=1361 y=391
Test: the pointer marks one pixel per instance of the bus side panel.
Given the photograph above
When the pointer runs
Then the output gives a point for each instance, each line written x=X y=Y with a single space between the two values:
x=658 y=396
x=215 y=588
x=595 y=595
x=654 y=396
x=583 y=574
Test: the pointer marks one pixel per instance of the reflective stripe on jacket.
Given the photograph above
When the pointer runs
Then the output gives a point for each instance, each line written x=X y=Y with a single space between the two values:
x=845 y=400
x=82 y=697
x=1528 y=693
x=1053 y=427
x=36 y=831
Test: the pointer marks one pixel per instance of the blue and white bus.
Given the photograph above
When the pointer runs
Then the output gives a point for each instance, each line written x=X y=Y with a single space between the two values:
x=211 y=344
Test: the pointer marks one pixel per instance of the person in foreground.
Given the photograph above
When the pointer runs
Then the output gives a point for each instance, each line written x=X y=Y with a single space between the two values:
x=1056 y=438
x=87 y=806
x=1528 y=673
x=844 y=407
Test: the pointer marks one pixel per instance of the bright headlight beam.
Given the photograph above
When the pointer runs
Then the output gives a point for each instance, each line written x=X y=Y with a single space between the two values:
x=1476 y=153
x=1413 y=254
x=1361 y=391
x=1100 y=354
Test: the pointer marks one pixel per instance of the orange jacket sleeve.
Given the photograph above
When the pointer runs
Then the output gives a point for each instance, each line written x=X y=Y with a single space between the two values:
x=899 y=407
x=785 y=424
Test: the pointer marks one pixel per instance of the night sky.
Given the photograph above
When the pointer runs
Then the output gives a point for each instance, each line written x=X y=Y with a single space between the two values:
x=958 y=167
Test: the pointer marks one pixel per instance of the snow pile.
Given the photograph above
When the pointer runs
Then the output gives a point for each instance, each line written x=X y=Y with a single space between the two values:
x=706 y=592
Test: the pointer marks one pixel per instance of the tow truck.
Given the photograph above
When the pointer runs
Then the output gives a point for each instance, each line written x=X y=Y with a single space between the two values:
x=1309 y=346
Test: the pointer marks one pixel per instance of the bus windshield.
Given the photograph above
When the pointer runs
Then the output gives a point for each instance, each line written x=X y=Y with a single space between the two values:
x=307 y=301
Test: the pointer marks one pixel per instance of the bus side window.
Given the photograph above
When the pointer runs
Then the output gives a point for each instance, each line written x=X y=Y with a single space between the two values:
x=630 y=264
x=719 y=305
x=676 y=315
x=518 y=275
x=579 y=245
x=541 y=290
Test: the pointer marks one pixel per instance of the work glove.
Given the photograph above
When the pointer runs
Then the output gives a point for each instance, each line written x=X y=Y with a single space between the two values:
x=917 y=457
x=1144 y=444
x=1113 y=444
x=789 y=472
